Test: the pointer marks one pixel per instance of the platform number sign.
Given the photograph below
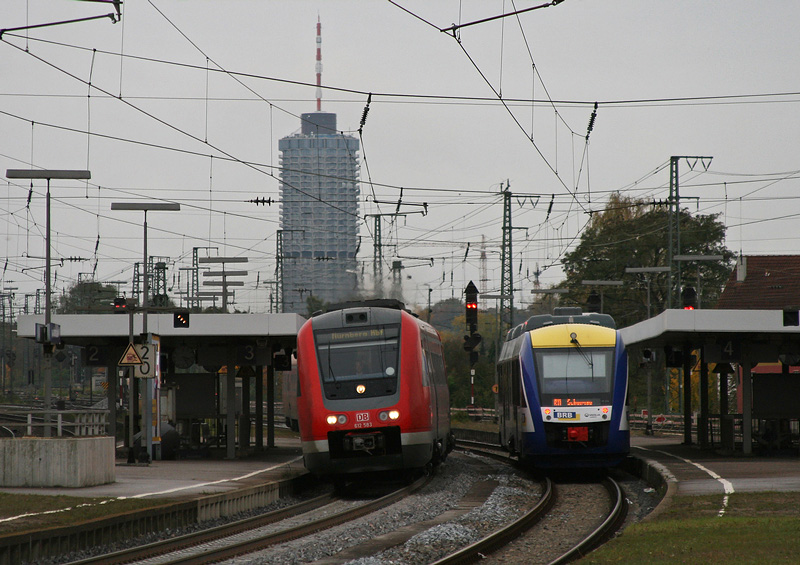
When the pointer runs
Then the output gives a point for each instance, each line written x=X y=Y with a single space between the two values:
x=731 y=350
x=727 y=351
x=149 y=354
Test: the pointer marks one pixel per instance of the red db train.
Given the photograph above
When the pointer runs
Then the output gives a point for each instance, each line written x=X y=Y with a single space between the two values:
x=372 y=391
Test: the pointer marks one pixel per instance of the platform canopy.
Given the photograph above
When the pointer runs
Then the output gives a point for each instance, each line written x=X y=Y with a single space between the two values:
x=744 y=337
x=733 y=336
x=209 y=340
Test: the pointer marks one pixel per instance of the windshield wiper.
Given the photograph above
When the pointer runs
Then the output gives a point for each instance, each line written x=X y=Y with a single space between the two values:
x=330 y=367
x=586 y=357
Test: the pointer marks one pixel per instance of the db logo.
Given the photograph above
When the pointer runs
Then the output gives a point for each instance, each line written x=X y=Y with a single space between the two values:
x=362 y=417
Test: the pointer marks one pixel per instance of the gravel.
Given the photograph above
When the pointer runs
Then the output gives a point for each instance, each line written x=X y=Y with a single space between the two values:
x=452 y=481
x=515 y=493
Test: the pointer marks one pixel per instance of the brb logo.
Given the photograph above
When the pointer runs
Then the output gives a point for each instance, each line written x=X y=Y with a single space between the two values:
x=362 y=417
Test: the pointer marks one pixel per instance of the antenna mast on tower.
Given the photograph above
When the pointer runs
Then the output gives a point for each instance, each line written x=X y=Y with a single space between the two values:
x=319 y=65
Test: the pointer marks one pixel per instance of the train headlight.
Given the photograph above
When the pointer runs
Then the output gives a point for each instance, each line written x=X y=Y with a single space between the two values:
x=390 y=415
x=333 y=419
x=361 y=389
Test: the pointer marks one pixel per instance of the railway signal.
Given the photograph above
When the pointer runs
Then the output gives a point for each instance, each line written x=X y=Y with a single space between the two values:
x=594 y=302
x=689 y=298
x=180 y=319
x=471 y=294
x=472 y=341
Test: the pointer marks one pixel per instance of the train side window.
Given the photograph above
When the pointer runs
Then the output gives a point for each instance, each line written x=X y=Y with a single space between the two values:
x=426 y=369
x=441 y=373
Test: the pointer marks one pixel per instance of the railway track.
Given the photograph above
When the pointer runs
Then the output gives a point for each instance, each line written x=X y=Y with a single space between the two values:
x=510 y=541
x=579 y=538
x=610 y=525
x=243 y=536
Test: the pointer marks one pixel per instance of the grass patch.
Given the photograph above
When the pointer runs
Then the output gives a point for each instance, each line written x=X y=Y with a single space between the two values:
x=756 y=528
x=66 y=510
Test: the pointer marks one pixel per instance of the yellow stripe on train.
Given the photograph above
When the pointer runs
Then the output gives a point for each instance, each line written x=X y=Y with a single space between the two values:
x=559 y=335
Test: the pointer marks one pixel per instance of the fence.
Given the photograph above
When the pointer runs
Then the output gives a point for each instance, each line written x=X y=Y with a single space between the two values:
x=19 y=422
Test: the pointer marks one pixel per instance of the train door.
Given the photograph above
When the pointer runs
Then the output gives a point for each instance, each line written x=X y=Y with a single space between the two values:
x=428 y=381
x=508 y=374
x=519 y=405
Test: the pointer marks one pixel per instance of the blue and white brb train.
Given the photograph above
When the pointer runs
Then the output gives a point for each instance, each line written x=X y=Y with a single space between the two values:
x=562 y=391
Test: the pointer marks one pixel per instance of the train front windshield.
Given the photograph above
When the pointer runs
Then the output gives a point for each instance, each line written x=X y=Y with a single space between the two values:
x=369 y=356
x=575 y=376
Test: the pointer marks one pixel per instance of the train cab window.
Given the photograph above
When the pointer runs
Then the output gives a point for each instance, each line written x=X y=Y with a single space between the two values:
x=367 y=355
x=579 y=373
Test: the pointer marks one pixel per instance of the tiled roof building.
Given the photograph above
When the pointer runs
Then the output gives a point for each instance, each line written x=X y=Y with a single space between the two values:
x=763 y=282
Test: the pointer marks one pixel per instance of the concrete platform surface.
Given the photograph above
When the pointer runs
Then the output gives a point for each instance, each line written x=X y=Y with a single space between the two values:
x=189 y=478
x=699 y=472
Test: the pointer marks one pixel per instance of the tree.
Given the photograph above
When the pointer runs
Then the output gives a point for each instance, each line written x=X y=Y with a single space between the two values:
x=635 y=233
x=87 y=297
x=457 y=361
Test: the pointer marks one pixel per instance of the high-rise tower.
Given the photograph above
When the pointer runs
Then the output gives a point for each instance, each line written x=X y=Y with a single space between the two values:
x=319 y=208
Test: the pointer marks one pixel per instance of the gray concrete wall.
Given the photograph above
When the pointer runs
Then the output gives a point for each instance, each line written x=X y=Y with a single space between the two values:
x=57 y=462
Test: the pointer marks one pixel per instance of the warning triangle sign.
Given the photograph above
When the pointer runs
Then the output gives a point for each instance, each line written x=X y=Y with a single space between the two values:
x=130 y=357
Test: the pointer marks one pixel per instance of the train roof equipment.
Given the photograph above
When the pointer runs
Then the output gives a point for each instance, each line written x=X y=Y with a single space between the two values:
x=562 y=315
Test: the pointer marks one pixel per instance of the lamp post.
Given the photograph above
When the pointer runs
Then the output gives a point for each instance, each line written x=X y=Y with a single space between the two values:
x=224 y=283
x=681 y=258
x=47 y=361
x=601 y=284
x=147 y=416
x=648 y=270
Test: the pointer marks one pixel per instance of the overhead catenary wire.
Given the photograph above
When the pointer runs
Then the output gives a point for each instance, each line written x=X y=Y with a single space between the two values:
x=752 y=97
x=409 y=189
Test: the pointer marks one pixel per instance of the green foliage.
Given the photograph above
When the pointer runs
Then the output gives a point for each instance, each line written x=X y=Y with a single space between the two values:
x=457 y=360
x=635 y=233
x=87 y=297
x=445 y=315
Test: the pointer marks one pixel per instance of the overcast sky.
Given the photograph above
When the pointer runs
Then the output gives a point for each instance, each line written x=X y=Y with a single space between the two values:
x=184 y=101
